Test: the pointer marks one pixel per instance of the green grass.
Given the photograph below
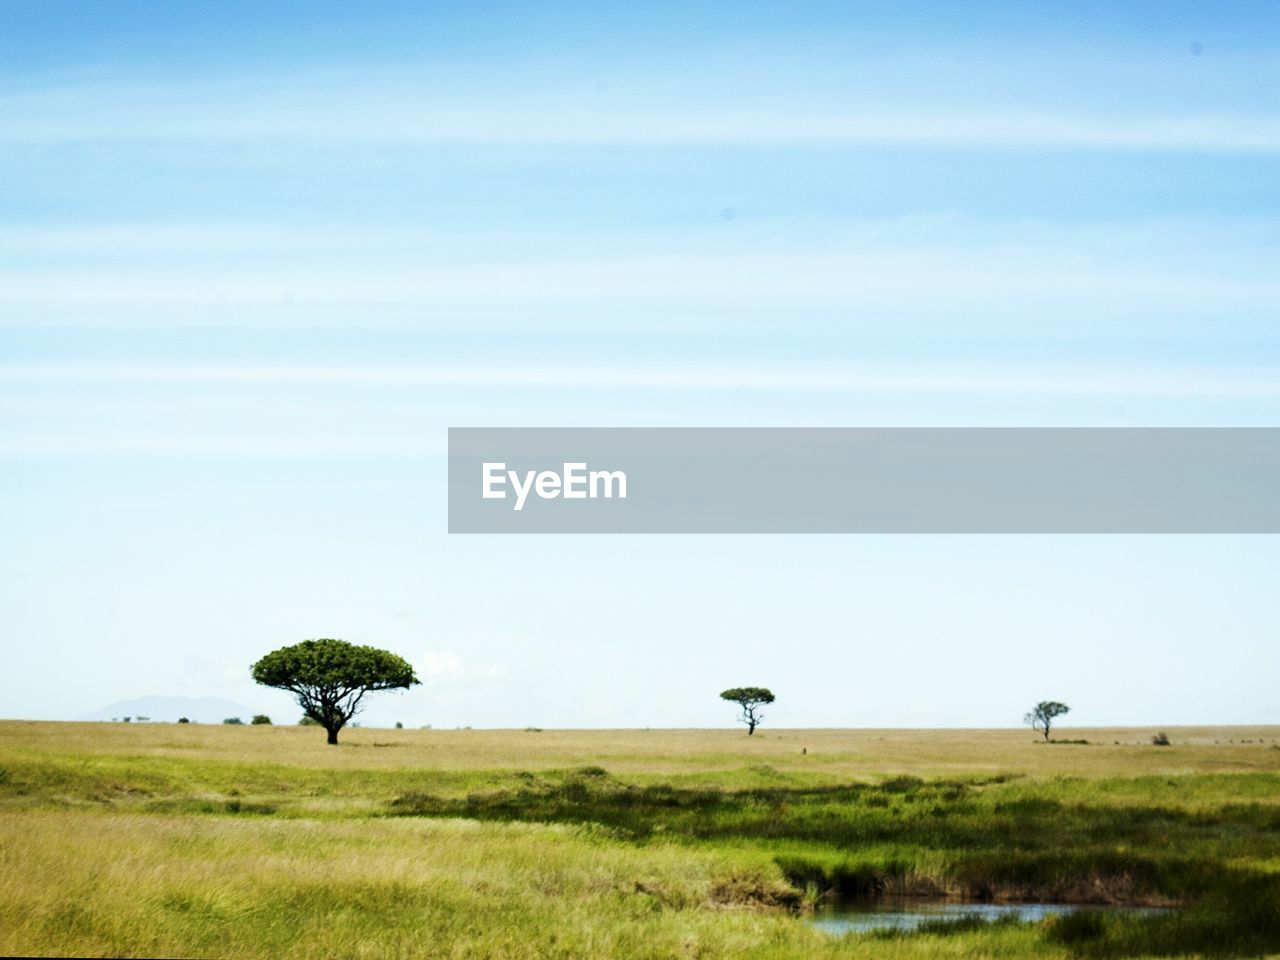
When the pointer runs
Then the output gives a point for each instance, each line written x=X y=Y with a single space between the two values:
x=263 y=842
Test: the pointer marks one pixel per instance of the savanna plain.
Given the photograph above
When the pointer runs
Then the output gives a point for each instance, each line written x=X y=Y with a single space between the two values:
x=191 y=840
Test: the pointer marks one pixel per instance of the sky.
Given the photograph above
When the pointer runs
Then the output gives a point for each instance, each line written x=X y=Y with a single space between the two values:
x=256 y=258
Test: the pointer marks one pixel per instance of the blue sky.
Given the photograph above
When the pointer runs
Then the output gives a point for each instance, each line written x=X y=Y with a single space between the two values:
x=256 y=258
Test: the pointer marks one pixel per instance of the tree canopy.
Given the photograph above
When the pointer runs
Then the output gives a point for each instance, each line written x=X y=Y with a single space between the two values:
x=1042 y=715
x=331 y=677
x=750 y=699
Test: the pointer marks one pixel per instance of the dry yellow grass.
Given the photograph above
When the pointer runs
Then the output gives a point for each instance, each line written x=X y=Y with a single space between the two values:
x=103 y=851
x=845 y=753
x=110 y=885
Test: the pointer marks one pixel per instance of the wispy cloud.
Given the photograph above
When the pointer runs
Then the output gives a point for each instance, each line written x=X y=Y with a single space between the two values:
x=1261 y=382
x=318 y=412
x=989 y=280
x=301 y=110
x=448 y=665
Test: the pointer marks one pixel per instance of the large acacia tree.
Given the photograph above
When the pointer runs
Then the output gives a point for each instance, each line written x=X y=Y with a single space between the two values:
x=331 y=677
x=750 y=699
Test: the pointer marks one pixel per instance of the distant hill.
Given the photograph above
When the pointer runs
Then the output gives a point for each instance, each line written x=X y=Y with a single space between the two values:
x=169 y=709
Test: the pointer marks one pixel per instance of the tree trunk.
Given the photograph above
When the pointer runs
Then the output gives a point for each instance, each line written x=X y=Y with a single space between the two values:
x=1046 y=733
x=333 y=735
x=751 y=727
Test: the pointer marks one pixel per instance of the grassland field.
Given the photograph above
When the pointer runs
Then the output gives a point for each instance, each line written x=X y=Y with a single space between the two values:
x=222 y=841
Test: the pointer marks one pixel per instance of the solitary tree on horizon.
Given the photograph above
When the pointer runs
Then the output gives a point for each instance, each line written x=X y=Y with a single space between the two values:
x=750 y=699
x=1043 y=714
x=331 y=677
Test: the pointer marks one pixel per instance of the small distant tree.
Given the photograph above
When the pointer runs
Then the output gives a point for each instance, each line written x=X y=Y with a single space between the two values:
x=305 y=721
x=331 y=677
x=260 y=719
x=1043 y=714
x=399 y=725
x=750 y=699
x=234 y=722
x=143 y=719
x=183 y=720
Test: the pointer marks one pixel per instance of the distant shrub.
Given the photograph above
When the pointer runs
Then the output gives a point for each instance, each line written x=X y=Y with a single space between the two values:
x=1161 y=739
x=234 y=721
x=307 y=721
x=1076 y=928
x=240 y=806
x=902 y=784
x=260 y=719
x=183 y=720
x=143 y=719
x=399 y=725
x=126 y=719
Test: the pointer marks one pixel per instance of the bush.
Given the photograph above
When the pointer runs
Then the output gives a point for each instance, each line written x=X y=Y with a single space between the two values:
x=902 y=784
x=307 y=721
x=260 y=719
x=234 y=721
x=1076 y=928
x=1161 y=739
x=399 y=725
x=183 y=720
